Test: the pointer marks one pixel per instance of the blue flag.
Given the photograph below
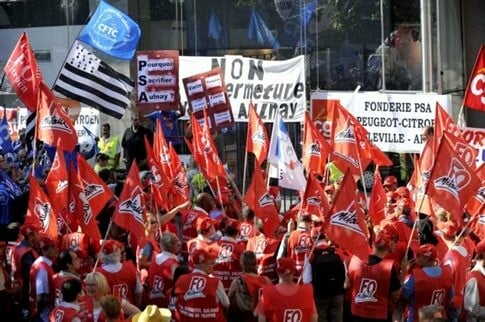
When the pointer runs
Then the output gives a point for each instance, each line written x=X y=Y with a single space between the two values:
x=112 y=32
x=215 y=28
x=5 y=140
x=10 y=186
x=259 y=31
x=308 y=11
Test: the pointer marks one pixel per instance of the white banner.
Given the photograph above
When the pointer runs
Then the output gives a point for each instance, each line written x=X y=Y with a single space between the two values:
x=272 y=85
x=395 y=121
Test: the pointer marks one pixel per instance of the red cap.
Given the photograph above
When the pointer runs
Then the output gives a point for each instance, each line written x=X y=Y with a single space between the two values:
x=204 y=223
x=389 y=180
x=449 y=229
x=201 y=255
x=403 y=192
x=428 y=251
x=233 y=223
x=382 y=241
x=28 y=229
x=480 y=247
x=286 y=266
x=46 y=241
x=111 y=246
x=391 y=231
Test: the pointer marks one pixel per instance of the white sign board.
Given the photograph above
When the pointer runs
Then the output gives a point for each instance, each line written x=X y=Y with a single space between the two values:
x=395 y=122
x=271 y=85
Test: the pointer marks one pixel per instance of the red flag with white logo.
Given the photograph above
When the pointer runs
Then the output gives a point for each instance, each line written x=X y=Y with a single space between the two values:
x=452 y=182
x=314 y=200
x=160 y=183
x=54 y=126
x=40 y=211
x=257 y=141
x=129 y=213
x=96 y=191
x=180 y=186
x=444 y=125
x=345 y=224
x=23 y=72
x=315 y=148
x=57 y=180
x=475 y=91
x=377 y=201
x=262 y=203
x=81 y=207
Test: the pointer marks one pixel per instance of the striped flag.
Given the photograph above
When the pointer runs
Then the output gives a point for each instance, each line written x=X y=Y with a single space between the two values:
x=85 y=78
x=30 y=128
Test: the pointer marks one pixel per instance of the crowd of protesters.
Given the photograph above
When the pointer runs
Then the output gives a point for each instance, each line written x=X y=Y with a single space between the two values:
x=201 y=260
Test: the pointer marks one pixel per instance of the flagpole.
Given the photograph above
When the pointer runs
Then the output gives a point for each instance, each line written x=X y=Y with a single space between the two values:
x=362 y=180
x=245 y=168
x=102 y=244
x=220 y=197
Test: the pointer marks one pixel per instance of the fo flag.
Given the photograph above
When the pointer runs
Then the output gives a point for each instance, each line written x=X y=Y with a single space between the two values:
x=112 y=32
x=315 y=148
x=257 y=141
x=377 y=202
x=345 y=225
x=452 y=182
x=86 y=78
x=23 y=73
x=129 y=213
x=475 y=91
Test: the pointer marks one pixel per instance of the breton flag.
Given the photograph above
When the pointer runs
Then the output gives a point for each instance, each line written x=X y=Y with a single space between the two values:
x=86 y=78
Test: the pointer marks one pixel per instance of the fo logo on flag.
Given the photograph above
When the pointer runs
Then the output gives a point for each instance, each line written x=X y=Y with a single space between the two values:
x=133 y=205
x=42 y=211
x=266 y=200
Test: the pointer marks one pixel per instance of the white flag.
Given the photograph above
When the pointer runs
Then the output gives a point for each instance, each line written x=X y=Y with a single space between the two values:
x=284 y=164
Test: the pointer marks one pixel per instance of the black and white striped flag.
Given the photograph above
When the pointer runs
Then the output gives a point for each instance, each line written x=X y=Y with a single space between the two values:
x=30 y=128
x=85 y=78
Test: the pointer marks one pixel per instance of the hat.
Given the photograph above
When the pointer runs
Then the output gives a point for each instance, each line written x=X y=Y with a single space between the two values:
x=449 y=229
x=480 y=247
x=204 y=223
x=111 y=246
x=286 y=266
x=428 y=251
x=46 y=241
x=382 y=241
x=233 y=223
x=389 y=180
x=200 y=255
x=403 y=192
x=151 y=314
x=28 y=229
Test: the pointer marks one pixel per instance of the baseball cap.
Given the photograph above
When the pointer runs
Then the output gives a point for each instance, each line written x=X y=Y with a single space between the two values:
x=28 y=229
x=46 y=241
x=201 y=255
x=382 y=241
x=428 y=251
x=389 y=180
x=286 y=266
x=204 y=223
x=233 y=223
x=111 y=246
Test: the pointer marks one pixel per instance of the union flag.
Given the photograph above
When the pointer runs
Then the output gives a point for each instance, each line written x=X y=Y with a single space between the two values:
x=257 y=141
x=40 y=211
x=474 y=97
x=316 y=149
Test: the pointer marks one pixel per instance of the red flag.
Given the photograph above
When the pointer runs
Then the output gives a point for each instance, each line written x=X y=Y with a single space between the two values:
x=377 y=202
x=314 y=200
x=81 y=206
x=161 y=151
x=40 y=211
x=23 y=73
x=452 y=182
x=444 y=125
x=478 y=225
x=257 y=141
x=205 y=152
x=181 y=189
x=481 y=172
x=160 y=184
x=345 y=225
x=129 y=213
x=474 y=94
x=315 y=148
x=96 y=191
x=258 y=199
x=57 y=181
x=53 y=124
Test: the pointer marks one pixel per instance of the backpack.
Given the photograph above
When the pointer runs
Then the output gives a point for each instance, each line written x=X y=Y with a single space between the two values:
x=242 y=302
x=328 y=273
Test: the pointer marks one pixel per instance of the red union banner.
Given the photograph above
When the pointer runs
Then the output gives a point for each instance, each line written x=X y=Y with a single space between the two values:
x=475 y=91
x=158 y=80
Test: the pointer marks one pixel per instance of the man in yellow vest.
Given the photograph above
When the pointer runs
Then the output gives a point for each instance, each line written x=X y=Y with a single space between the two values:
x=110 y=146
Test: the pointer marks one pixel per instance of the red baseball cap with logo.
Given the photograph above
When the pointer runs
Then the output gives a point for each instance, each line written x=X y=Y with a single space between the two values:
x=382 y=241
x=286 y=266
x=204 y=223
x=389 y=180
x=200 y=256
x=111 y=246
x=236 y=224
x=428 y=251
